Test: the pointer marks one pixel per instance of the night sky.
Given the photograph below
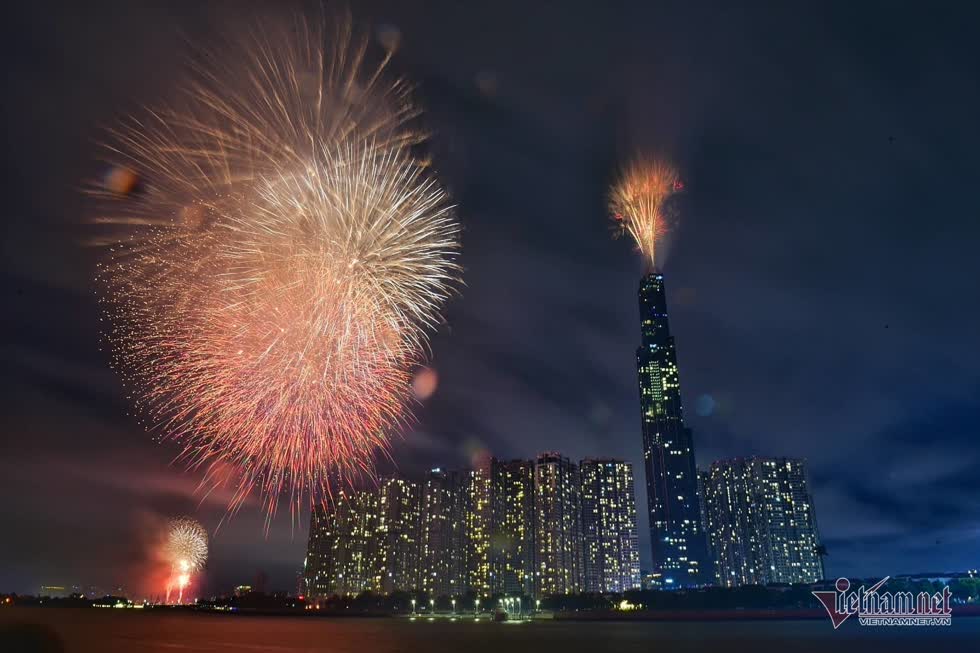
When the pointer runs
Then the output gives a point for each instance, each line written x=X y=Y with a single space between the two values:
x=822 y=276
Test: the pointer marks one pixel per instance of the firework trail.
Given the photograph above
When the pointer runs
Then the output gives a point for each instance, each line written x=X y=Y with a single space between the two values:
x=638 y=202
x=273 y=276
x=185 y=550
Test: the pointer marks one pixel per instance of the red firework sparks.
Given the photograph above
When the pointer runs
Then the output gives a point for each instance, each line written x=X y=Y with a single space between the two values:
x=272 y=286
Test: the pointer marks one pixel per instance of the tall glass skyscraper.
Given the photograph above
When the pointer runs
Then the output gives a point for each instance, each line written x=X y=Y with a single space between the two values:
x=676 y=532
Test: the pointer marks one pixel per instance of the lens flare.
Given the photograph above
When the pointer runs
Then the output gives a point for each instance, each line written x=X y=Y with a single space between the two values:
x=275 y=281
x=185 y=549
x=638 y=202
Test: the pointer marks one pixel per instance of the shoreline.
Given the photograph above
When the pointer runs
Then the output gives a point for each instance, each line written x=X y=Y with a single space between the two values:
x=749 y=614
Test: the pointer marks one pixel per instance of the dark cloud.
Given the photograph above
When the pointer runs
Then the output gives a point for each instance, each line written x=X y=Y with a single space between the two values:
x=821 y=279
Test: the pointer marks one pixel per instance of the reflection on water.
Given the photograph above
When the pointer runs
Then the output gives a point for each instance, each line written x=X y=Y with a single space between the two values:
x=112 y=631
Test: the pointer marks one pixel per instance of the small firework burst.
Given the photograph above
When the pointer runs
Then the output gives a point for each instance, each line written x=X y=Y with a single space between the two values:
x=638 y=202
x=186 y=550
x=186 y=546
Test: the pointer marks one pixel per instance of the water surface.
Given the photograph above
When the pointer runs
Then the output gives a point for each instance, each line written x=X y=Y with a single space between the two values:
x=127 y=631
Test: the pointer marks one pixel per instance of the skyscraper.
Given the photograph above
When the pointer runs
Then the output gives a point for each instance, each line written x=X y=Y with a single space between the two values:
x=512 y=537
x=343 y=547
x=442 y=551
x=478 y=512
x=609 y=539
x=676 y=535
x=709 y=572
x=516 y=528
x=318 y=565
x=558 y=526
x=397 y=538
x=761 y=522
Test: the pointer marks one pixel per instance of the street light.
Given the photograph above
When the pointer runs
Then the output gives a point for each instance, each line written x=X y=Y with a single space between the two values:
x=454 y=606
x=476 y=607
x=538 y=605
x=413 y=606
x=432 y=606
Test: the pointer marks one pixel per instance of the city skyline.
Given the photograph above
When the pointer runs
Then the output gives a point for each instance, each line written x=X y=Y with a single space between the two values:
x=818 y=315
x=555 y=527
x=524 y=527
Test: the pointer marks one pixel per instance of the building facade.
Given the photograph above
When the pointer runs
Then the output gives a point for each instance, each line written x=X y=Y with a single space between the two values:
x=397 y=535
x=319 y=561
x=342 y=556
x=609 y=538
x=709 y=572
x=513 y=528
x=512 y=538
x=676 y=533
x=558 y=526
x=442 y=553
x=761 y=523
x=478 y=510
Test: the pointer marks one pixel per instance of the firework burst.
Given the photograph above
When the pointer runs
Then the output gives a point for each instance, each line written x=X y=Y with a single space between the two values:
x=185 y=550
x=273 y=278
x=638 y=202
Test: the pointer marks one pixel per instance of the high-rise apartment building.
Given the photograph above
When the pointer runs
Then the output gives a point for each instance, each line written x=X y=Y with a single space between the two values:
x=761 y=522
x=609 y=538
x=342 y=555
x=512 y=528
x=478 y=512
x=443 y=540
x=512 y=536
x=558 y=525
x=320 y=555
x=397 y=536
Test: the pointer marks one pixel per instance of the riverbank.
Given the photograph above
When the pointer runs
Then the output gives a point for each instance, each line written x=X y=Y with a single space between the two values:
x=961 y=611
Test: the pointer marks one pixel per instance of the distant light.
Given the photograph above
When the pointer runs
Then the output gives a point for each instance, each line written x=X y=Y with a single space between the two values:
x=119 y=180
x=425 y=383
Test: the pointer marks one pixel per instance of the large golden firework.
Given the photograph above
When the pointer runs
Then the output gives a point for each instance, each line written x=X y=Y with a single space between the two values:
x=274 y=273
x=638 y=202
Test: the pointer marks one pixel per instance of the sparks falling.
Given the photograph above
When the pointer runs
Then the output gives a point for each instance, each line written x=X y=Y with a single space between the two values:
x=185 y=550
x=638 y=202
x=276 y=267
